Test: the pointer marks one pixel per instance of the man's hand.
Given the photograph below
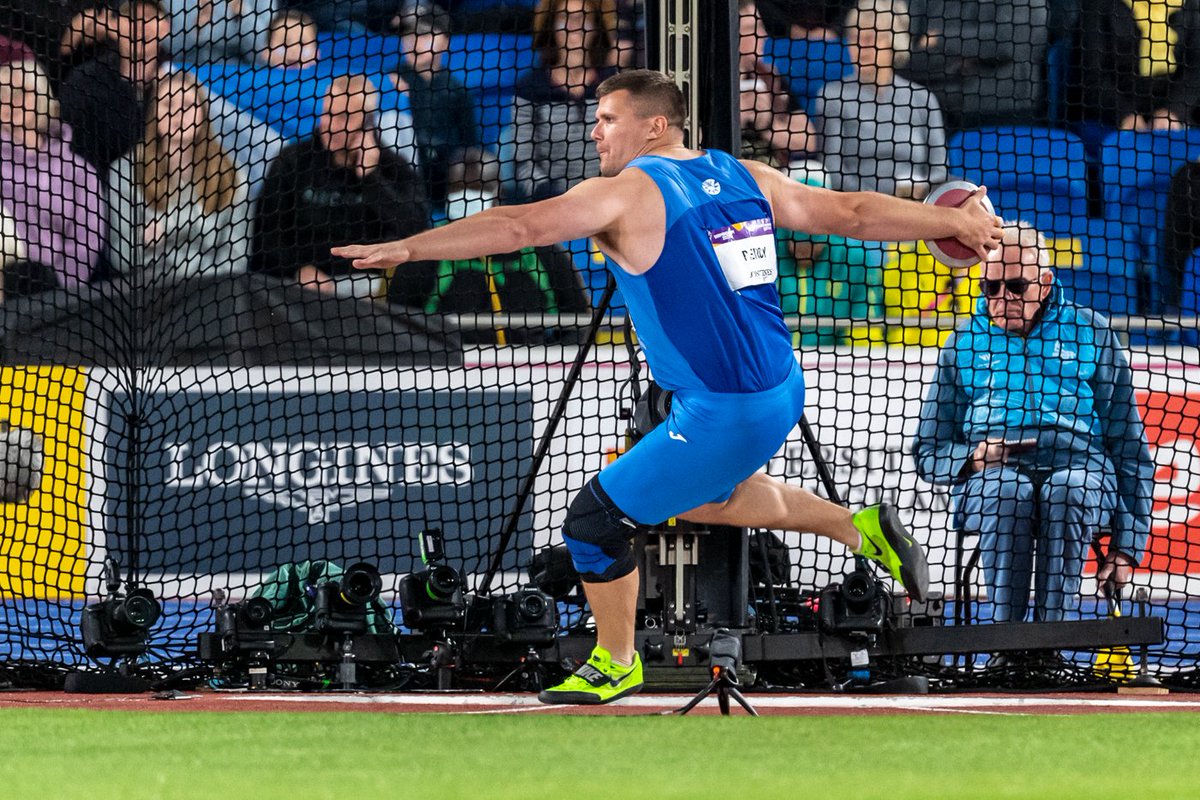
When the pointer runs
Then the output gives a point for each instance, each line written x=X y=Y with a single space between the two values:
x=979 y=229
x=373 y=256
x=312 y=278
x=1117 y=568
x=990 y=453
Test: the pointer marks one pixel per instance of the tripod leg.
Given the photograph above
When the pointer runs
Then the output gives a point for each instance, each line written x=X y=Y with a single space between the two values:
x=742 y=701
x=723 y=698
x=695 y=701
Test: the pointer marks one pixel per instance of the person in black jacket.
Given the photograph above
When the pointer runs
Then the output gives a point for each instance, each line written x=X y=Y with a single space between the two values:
x=1136 y=75
x=983 y=59
x=337 y=187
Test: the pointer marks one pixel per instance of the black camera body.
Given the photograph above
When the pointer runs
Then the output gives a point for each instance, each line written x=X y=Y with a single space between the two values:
x=856 y=605
x=340 y=606
x=119 y=624
x=433 y=597
x=246 y=626
x=529 y=616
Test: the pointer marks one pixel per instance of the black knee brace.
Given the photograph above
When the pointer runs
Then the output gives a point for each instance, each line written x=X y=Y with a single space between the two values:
x=597 y=533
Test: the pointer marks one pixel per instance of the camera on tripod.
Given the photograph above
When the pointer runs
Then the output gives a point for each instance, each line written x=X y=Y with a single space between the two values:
x=119 y=624
x=341 y=605
x=432 y=597
x=856 y=605
x=528 y=616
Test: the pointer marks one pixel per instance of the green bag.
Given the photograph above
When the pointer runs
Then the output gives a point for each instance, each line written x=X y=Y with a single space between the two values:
x=291 y=590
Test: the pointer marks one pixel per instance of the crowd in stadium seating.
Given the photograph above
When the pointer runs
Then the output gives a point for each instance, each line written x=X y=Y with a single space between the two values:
x=196 y=132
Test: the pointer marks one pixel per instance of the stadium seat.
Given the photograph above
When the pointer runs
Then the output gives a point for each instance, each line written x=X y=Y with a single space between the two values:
x=287 y=100
x=1136 y=170
x=489 y=64
x=1189 y=298
x=1036 y=174
x=807 y=64
x=1098 y=264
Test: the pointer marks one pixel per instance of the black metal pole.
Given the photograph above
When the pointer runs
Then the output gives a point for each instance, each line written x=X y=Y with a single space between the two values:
x=720 y=120
x=560 y=408
x=823 y=471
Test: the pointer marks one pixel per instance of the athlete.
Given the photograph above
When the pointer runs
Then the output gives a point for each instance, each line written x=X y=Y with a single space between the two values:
x=689 y=235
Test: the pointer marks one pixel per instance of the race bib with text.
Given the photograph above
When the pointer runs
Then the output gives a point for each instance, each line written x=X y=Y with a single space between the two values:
x=746 y=252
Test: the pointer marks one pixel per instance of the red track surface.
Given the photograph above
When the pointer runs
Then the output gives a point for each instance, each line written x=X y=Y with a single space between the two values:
x=767 y=704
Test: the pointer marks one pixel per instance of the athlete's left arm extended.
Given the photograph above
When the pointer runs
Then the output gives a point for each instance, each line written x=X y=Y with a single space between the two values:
x=588 y=209
x=872 y=216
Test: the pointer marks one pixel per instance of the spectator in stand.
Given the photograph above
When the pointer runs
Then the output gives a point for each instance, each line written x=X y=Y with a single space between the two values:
x=291 y=41
x=218 y=30
x=339 y=186
x=804 y=19
x=548 y=149
x=51 y=197
x=178 y=207
x=983 y=58
x=40 y=25
x=1033 y=421
x=443 y=109
x=103 y=98
x=1136 y=72
x=774 y=128
x=879 y=131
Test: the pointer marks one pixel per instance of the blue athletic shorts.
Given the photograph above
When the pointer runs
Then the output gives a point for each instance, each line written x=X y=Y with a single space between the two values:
x=708 y=444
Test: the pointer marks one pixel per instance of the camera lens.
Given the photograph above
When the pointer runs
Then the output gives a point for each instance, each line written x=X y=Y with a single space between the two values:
x=441 y=582
x=531 y=607
x=256 y=612
x=138 y=611
x=361 y=584
x=858 y=589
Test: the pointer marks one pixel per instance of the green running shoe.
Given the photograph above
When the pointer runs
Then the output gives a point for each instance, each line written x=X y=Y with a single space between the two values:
x=884 y=539
x=597 y=681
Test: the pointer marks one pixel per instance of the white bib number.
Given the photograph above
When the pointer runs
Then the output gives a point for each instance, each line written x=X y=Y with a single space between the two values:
x=746 y=253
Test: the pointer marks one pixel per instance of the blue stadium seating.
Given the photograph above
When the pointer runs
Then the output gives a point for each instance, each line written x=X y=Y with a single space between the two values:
x=1136 y=169
x=1098 y=265
x=1189 y=300
x=489 y=64
x=287 y=100
x=1036 y=174
x=807 y=64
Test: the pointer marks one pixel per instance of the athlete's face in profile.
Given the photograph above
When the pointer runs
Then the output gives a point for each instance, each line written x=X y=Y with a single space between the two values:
x=621 y=134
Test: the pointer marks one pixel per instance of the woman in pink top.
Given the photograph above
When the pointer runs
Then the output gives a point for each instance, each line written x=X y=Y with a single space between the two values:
x=51 y=198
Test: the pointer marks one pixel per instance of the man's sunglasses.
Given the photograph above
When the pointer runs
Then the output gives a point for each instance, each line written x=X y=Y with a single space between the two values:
x=1016 y=287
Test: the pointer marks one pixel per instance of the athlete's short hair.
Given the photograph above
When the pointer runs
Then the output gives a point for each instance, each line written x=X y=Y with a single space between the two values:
x=654 y=93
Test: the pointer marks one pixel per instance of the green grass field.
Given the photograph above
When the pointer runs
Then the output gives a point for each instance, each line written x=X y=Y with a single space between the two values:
x=92 y=755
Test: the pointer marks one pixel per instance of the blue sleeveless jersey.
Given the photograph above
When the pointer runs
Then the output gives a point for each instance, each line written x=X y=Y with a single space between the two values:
x=707 y=313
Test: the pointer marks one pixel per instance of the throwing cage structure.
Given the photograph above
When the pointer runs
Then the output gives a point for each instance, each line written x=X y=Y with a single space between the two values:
x=226 y=461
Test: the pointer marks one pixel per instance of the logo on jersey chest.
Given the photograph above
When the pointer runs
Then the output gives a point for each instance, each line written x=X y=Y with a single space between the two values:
x=711 y=186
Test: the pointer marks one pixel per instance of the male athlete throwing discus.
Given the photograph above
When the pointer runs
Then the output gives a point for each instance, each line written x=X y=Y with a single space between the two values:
x=690 y=236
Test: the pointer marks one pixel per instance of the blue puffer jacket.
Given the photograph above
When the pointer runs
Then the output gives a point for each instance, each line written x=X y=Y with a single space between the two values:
x=1068 y=384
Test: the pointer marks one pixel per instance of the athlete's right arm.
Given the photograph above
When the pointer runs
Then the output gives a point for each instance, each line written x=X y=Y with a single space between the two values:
x=592 y=207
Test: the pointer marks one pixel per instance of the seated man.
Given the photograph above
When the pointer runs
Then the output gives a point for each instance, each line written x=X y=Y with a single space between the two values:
x=774 y=128
x=1032 y=419
x=339 y=186
x=443 y=109
x=103 y=98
